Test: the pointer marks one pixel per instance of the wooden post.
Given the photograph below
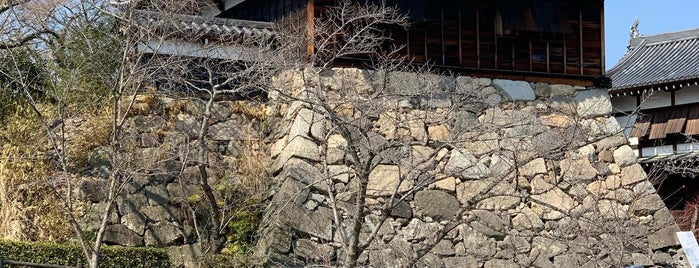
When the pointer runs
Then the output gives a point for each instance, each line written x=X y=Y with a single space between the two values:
x=310 y=28
x=603 y=58
x=582 y=59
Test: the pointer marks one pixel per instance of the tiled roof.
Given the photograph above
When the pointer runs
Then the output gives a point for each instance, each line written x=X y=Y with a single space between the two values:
x=212 y=26
x=669 y=59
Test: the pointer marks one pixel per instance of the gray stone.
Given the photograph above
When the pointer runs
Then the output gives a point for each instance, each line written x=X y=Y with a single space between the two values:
x=340 y=173
x=307 y=124
x=298 y=147
x=436 y=204
x=157 y=195
x=624 y=156
x=566 y=260
x=577 y=170
x=435 y=100
x=594 y=102
x=132 y=203
x=527 y=220
x=499 y=203
x=150 y=140
x=186 y=256
x=337 y=145
x=477 y=244
x=632 y=175
x=157 y=213
x=93 y=190
x=557 y=199
x=648 y=204
x=187 y=124
x=163 y=234
x=383 y=180
x=466 y=192
x=134 y=222
x=461 y=262
x=562 y=90
x=118 y=234
x=663 y=238
x=310 y=205
x=515 y=90
x=276 y=239
x=611 y=142
x=548 y=247
x=641 y=260
x=149 y=123
x=542 y=90
x=226 y=131
x=489 y=224
x=444 y=248
x=304 y=172
x=317 y=223
x=465 y=165
x=520 y=245
x=497 y=263
x=312 y=251
x=418 y=230
x=402 y=210
x=662 y=258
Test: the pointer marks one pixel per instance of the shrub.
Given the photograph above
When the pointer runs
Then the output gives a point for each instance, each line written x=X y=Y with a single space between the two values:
x=70 y=254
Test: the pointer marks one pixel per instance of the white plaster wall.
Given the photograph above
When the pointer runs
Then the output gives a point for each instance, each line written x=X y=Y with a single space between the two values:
x=687 y=95
x=659 y=150
x=192 y=49
x=656 y=100
x=624 y=104
x=687 y=147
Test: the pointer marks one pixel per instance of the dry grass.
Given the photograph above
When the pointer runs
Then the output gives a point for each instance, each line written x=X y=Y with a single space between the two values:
x=94 y=131
x=29 y=209
x=252 y=168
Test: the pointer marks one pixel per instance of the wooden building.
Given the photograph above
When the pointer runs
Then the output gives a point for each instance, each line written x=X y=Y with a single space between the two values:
x=656 y=97
x=555 y=41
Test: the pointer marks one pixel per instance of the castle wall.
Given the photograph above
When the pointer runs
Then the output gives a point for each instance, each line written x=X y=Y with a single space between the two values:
x=471 y=172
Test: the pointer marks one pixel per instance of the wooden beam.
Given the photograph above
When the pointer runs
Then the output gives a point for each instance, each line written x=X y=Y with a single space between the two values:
x=580 y=20
x=478 y=37
x=602 y=33
x=461 y=47
x=441 y=23
x=310 y=27
x=548 y=56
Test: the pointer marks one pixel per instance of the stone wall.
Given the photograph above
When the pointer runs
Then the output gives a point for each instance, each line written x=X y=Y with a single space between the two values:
x=159 y=200
x=530 y=175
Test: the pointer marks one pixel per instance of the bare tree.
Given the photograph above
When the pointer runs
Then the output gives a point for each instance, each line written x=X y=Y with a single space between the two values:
x=391 y=133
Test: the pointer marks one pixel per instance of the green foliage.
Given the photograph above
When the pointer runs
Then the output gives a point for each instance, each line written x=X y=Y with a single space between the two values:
x=241 y=230
x=70 y=254
x=224 y=261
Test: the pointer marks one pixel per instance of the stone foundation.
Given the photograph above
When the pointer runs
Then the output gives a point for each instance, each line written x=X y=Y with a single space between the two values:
x=475 y=172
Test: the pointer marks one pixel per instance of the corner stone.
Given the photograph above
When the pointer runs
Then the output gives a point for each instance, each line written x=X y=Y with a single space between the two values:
x=595 y=102
x=515 y=90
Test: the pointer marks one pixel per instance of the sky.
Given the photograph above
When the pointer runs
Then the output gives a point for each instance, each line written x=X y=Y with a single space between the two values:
x=654 y=17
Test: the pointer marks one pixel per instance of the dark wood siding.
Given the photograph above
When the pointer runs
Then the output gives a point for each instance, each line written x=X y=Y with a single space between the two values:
x=560 y=38
x=264 y=10
x=481 y=34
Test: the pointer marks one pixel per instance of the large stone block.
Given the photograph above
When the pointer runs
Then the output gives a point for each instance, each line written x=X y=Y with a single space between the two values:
x=383 y=180
x=436 y=204
x=118 y=234
x=298 y=147
x=632 y=174
x=594 y=102
x=624 y=156
x=163 y=234
x=515 y=90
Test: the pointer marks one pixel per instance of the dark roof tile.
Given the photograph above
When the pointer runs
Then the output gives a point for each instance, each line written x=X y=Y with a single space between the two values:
x=657 y=60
